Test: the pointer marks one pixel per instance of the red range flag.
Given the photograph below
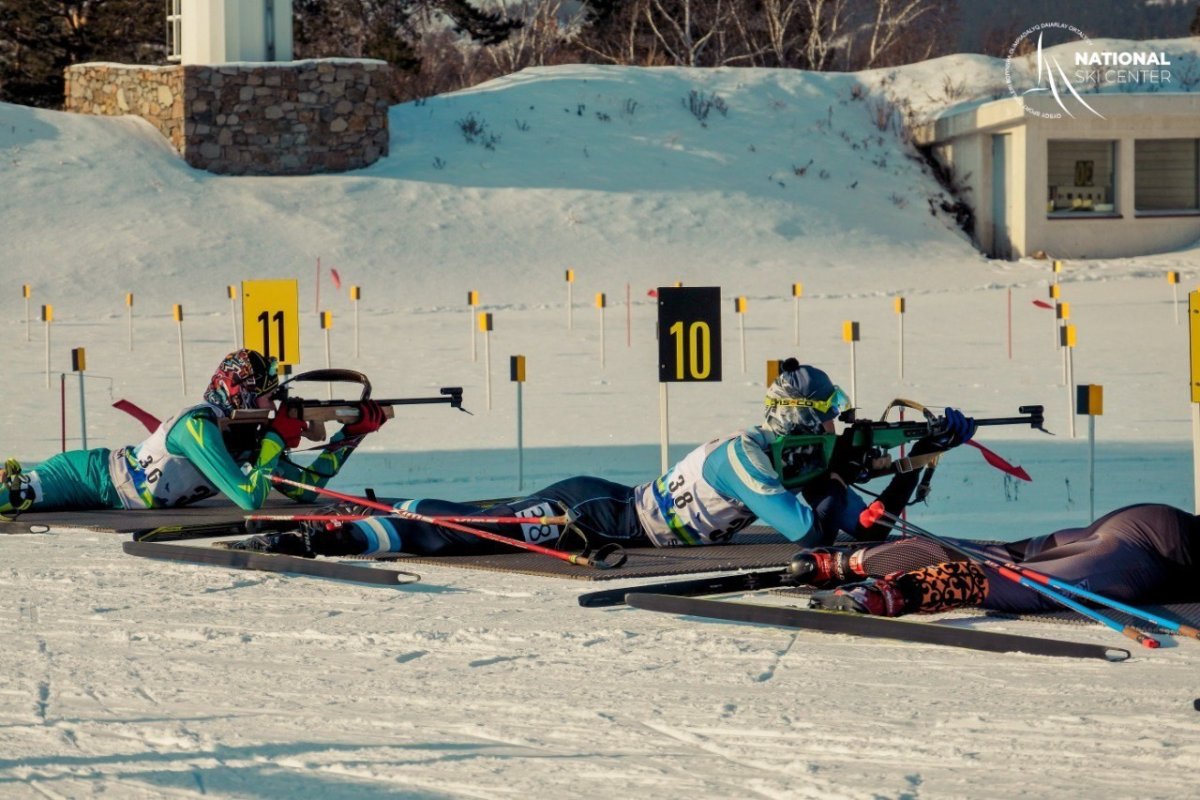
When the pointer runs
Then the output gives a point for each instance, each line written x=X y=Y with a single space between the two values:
x=140 y=414
x=1042 y=304
x=337 y=279
x=1000 y=464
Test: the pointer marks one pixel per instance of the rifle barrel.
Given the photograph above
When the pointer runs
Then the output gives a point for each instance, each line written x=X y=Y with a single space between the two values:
x=409 y=401
x=1033 y=419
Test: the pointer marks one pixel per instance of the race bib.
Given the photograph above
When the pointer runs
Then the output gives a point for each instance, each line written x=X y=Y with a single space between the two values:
x=545 y=535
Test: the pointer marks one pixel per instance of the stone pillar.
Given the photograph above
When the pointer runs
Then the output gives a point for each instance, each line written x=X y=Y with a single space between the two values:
x=295 y=118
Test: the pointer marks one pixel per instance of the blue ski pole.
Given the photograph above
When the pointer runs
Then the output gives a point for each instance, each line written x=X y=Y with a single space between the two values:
x=1019 y=575
x=1133 y=611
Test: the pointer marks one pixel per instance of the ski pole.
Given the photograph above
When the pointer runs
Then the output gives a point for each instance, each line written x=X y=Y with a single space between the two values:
x=598 y=561
x=565 y=519
x=1013 y=573
x=1055 y=583
x=305 y=517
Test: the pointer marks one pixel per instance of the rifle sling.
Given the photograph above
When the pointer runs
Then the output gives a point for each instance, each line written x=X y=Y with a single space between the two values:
x=889 y=466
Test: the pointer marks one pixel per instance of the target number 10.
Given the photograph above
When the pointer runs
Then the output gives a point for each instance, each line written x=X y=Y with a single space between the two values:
x=696 y=352
x=689 y=334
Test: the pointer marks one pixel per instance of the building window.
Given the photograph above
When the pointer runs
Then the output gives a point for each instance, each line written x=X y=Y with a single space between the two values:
x=1080 y=178
x=174 y=20
x=1166 y=177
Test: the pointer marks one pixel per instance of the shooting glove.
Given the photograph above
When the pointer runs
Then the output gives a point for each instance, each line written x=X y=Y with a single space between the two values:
x=959 y=430
x=289 y=429
x=370 y=419
x=849 y=462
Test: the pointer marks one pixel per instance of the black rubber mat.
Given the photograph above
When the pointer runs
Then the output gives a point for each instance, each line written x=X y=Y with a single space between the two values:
x=1186 y=613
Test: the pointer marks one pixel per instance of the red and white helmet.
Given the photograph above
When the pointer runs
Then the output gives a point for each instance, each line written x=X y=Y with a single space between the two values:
x=241 y=379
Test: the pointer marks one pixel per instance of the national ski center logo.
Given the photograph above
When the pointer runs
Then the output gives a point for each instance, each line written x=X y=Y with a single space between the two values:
x=1090 y=70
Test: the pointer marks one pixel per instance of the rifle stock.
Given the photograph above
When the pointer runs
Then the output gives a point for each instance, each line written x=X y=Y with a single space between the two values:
x=800 y=459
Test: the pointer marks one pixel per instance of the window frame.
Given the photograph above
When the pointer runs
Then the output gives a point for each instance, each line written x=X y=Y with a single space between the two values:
x=1076 y=214
x=174 y=31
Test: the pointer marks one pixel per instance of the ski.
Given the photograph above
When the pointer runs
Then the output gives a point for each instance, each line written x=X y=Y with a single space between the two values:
x=721 y=584
x=873 y=627
x=202 y=530
x=270 y=562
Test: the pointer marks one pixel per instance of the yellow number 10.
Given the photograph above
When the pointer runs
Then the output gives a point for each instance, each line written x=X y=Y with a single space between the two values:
x=699 y=350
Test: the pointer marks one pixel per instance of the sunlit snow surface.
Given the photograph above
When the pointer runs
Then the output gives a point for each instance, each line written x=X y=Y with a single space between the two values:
x=132 y=678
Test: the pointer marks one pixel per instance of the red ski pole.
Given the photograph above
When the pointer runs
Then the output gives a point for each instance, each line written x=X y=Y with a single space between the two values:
x=597 y=561
x=565 y=519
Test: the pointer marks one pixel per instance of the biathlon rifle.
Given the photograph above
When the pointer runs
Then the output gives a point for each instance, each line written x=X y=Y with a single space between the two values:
x=343 y=411
x=801 y=458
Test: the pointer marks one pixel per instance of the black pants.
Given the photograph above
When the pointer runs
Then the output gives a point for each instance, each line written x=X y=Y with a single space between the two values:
x=1138 y=554
x=603 y=511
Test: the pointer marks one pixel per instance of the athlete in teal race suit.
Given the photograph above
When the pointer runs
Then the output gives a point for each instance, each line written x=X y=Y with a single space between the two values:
x=715 y=491
x=188 y=458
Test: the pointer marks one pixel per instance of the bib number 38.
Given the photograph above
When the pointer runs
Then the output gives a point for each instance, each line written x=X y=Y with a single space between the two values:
x=539 y=534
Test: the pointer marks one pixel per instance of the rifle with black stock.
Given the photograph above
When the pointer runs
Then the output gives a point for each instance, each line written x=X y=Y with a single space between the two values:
x=801 y=458
x=345 y=412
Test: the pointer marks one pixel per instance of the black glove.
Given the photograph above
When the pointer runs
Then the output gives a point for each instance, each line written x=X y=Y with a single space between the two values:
x=848 y=462
x=959 y=430
x=349 y=509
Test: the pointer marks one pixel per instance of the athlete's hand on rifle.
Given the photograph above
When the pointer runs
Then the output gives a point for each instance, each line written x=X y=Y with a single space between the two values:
x=289 y=429
x=959 y=430
x=847 y=462
x=370 y=419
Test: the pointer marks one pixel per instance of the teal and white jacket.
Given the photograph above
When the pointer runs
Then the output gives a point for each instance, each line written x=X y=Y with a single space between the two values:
x=718 y=489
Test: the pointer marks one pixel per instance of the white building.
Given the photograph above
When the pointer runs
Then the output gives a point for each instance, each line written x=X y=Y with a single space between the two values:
x=1122 y=181
x=223 y=31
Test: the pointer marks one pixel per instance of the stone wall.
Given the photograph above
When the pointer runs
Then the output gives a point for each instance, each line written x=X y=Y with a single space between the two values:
x=153 y=93
x=294 y=118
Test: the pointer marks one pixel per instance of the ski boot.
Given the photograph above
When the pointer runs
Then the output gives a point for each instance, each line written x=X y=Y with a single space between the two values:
x=289 y=543
x=878 y=597
x=10 y=474
x=16 y=483
x=821 y=566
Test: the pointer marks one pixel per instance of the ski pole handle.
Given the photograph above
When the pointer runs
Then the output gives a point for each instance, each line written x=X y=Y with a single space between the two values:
x=600 y=560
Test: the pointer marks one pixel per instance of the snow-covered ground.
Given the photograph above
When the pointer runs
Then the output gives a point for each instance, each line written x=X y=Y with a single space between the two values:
x=133 y=678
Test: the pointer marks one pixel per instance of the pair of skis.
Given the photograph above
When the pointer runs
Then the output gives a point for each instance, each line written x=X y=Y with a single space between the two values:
x=682 y=597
